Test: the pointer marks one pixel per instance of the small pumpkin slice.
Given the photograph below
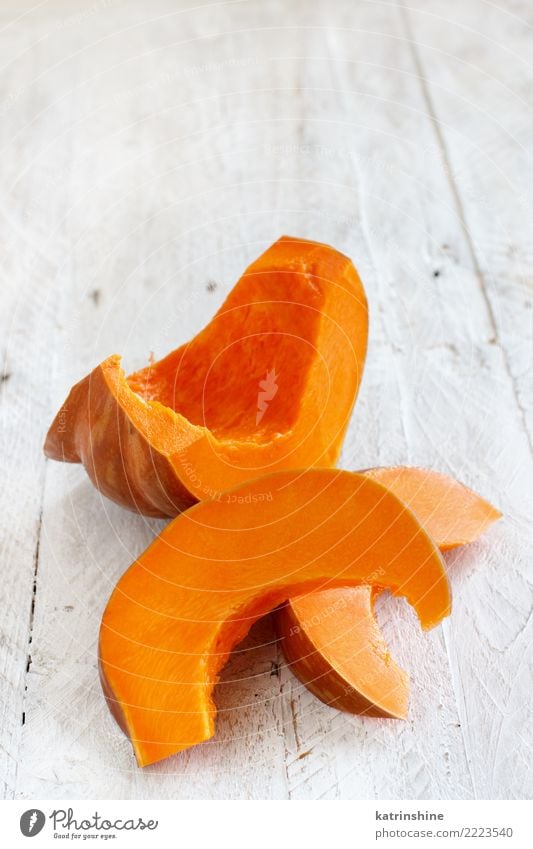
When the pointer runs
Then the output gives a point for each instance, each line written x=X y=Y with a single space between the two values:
x=331 y=639
x=333 y=643
x=268 y=384
x=175 y=615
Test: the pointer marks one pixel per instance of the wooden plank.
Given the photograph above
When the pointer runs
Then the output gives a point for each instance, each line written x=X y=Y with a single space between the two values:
x=363 y=122
x=479 y=99
x=31 y=296
x=477 y=95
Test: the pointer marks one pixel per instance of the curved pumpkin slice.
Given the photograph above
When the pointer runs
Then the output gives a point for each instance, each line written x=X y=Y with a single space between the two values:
x=269 y=384
x=177 y=612
x=333 y=643
x=331 y=639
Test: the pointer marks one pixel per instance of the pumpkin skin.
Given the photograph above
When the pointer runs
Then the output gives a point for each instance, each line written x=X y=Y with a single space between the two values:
x=269 y=384
x=332 y=640
x=177 y=612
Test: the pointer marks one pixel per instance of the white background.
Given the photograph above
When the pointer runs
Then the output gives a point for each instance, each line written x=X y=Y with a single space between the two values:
x=149 y=152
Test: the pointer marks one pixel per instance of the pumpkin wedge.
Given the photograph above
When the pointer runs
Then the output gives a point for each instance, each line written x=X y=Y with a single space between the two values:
x=333 y=643
x=331 y=639
x=176 y=613
x=269 y=384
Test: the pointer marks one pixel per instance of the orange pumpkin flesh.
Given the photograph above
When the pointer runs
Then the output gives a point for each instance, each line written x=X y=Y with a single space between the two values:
x=269 y=384
x=177 y=612
x=331 y=639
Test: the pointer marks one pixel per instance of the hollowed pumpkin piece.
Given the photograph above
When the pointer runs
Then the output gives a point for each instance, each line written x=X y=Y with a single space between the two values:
x=331 y=639
x=269 y=384
x=175 y=615
x=333 y=643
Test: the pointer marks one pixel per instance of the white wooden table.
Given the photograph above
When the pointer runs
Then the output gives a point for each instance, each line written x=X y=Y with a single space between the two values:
x=149 y=151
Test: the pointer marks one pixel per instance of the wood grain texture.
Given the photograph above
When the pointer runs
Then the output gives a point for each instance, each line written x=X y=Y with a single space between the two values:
x=149 y=152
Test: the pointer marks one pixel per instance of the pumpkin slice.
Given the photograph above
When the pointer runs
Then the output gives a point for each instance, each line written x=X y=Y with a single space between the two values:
x=331 y=639
x=177 y=612
x=269 y=384
x=333 y=643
